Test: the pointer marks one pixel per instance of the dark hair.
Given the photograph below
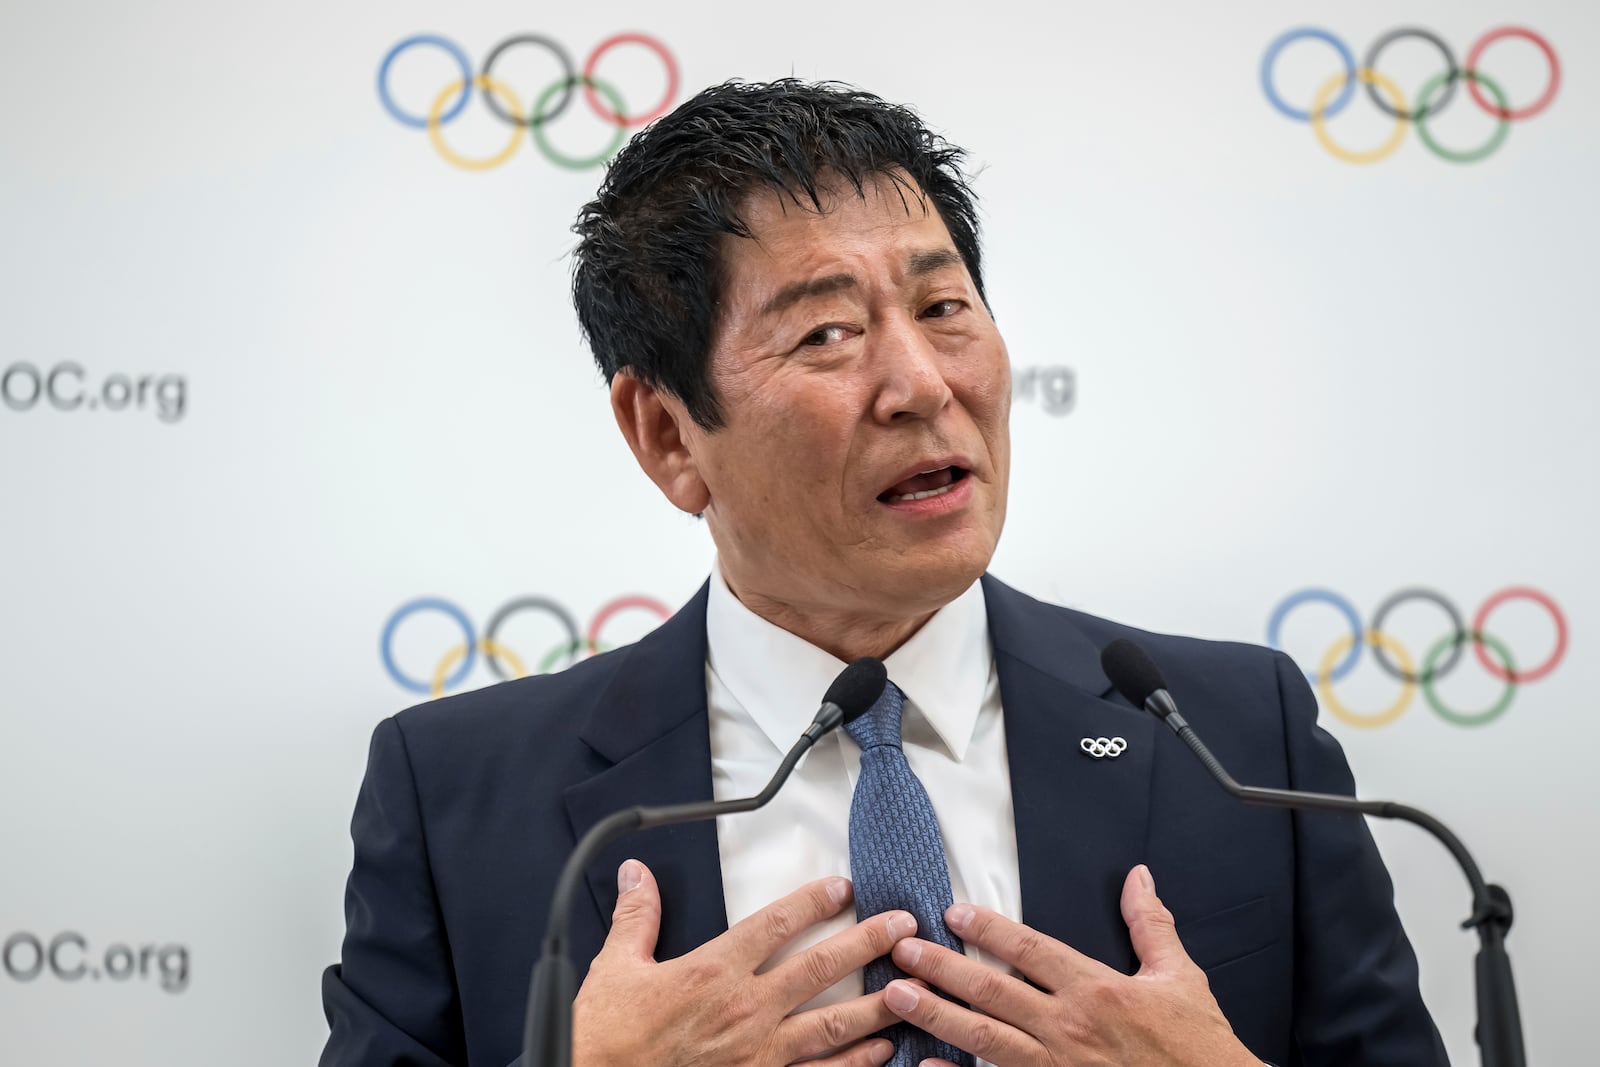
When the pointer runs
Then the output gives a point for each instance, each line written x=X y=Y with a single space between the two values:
x=647 y=277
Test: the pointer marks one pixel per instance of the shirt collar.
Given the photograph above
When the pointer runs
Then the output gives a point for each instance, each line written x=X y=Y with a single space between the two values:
x=779 y=679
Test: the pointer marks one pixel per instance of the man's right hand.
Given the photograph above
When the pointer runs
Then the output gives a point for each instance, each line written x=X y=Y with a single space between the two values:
x=711 y=1006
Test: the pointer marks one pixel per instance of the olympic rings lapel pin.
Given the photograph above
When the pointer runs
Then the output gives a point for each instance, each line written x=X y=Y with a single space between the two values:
x=1103 y=747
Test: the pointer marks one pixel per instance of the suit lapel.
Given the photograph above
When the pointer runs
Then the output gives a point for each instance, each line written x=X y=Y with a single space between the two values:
x=651 y=723
x=1081 y=822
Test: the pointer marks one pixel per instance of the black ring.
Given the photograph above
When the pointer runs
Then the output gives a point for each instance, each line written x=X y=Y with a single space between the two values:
x=527 y=603
x=569 y=78
x=1431 y=597
x=1371 y=63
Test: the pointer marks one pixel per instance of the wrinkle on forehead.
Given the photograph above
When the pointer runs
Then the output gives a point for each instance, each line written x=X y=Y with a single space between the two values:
x=919 y=262
x=832 y=190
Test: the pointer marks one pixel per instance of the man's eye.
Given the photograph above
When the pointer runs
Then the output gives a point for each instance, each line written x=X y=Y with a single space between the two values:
x=826 y=335
x=941 y=309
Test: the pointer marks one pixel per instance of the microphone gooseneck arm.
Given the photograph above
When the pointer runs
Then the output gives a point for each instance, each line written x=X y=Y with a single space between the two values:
x=643 y=817
x=1499 y=1032
x=547 y=1037
x=1292 y=798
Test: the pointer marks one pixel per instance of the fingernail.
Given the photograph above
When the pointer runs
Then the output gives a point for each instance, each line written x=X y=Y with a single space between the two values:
x=908 y=952
x=902 y=924
x=1146 y=879
x=629 y=875
x=882 y=1051
x=839 y=891
x=958 y=917
x=900 y=996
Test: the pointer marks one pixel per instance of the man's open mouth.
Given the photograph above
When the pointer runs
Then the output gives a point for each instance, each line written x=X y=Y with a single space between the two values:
x=923 y=486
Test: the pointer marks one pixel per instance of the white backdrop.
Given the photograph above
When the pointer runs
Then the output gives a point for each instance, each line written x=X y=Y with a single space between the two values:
x=1245 y=368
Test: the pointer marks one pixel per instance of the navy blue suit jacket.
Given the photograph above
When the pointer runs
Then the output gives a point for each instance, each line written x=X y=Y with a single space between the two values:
x=470 y=805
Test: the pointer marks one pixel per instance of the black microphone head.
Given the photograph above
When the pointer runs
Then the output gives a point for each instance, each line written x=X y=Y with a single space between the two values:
x=858 y=687
x=1131 y=670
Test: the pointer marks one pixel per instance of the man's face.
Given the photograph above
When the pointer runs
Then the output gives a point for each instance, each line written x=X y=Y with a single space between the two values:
x=862 y=464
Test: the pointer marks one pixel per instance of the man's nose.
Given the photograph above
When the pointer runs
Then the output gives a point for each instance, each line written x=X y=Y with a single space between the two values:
x=910 y=379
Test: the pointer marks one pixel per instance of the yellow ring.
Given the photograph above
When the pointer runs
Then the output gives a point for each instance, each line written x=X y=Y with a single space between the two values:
x=1356 y=718
x=1319 y=117
x=436 y=133
x=488 y=648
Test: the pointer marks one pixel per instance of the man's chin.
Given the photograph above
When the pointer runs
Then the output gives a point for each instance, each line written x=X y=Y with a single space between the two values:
x=933 y=575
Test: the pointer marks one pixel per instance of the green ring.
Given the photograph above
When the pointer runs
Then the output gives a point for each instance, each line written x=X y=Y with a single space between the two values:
x=1468 y=718
x=1471 y=155
x=617 y=107
x=571 y=648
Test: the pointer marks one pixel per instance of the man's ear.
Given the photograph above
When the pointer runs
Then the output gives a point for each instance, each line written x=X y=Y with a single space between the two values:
x=658 y=428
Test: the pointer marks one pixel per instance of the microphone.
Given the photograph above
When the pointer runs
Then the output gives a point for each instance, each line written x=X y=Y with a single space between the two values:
x=547 y=1039
x=1499 y=1032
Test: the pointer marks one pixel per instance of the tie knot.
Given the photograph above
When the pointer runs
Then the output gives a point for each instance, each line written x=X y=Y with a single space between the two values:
x=881 y=723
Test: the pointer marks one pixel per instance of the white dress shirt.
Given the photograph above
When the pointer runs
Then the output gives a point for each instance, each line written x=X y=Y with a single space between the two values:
x=764 y=684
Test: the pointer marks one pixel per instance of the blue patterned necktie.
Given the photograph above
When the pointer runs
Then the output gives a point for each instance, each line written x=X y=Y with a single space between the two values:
x=897 y=860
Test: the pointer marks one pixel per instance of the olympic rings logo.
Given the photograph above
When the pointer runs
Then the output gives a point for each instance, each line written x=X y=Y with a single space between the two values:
x=1439 y=659
x=602 y=97
x=1434 y=96
x=458 y=660
x=1101 y=747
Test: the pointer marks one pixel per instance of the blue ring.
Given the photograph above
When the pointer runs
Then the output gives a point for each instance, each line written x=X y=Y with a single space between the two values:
x=428 y=603
x=1285 y=41
x=1294 y=600
x=438 y=42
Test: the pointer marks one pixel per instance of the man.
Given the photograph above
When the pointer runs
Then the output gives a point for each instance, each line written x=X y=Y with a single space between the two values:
x=782 y=284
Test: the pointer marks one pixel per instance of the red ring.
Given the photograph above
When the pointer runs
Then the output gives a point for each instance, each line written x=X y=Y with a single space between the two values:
x=621 y=603
x=1520 y=593
x=594 y=60
x=1504 y=113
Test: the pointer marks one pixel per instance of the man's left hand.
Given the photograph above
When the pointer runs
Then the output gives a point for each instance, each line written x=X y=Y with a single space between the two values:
x=1078 y=1012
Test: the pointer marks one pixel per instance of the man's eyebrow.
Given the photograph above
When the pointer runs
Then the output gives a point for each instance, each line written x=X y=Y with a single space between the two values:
x=920 y=263
x=790 y=295
x=935 y=260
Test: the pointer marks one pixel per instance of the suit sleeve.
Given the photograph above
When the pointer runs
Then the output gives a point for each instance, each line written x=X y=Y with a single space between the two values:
x=392 y=1000
x=1356 y=995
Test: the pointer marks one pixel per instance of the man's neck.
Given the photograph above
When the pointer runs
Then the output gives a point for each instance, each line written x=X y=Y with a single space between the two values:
x=845 y=635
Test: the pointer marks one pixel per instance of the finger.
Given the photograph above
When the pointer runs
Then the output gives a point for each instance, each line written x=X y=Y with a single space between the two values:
x=754 y=940
x=805 y=974
x=820 y=1030
x=982 y=1035
x=636 y=920
x=984 y=988
x=1150 y=925
x=1046 y=961
x=873 y=1053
